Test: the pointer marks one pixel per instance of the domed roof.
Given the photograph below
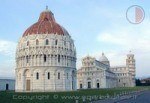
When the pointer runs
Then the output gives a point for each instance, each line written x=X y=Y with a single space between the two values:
x=103 y=58
x=45 y=25
x=130 y=54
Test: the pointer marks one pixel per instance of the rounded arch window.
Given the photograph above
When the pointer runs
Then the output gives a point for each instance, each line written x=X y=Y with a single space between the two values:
x=56 y=42
x=58 y=58
x=58 y=75
x=47 y=42
x=37 y=42
x=65 y=42
x=45 y=57
x=48 y=75
x=37 y=75
x=27 y=43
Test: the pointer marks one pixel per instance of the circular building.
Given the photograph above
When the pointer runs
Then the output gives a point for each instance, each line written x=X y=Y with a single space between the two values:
x=45 y=57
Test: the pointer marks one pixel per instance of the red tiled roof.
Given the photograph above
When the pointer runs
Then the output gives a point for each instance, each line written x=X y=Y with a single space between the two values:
x=45 y=25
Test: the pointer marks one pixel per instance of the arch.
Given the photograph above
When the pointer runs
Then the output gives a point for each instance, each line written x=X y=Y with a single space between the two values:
x=46 y=51
x=88 y=79
x=97 y=83
x=28 y=43
x=37 y=42
x=39 y=52
x=89 y=83
x=37 y=74
x=26 y=82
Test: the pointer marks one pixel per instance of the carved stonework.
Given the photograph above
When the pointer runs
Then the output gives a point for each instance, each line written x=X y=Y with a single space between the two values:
x=50 y=55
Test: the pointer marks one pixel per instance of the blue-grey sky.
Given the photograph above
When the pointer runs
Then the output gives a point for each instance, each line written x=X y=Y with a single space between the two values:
x=95 y=25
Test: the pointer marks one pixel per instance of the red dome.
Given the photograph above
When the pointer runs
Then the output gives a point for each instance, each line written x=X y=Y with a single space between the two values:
x=45 y=25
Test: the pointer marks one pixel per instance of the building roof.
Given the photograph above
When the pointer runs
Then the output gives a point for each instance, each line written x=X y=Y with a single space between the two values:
x=46 y=25
x=7 y=79
x=103 y=58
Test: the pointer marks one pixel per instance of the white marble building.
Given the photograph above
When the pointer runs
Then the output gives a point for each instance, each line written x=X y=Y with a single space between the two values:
x=45 y=57
x=96 y=74
x=99 y=74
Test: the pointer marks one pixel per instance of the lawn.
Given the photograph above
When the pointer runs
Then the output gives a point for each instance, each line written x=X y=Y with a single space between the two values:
x=64 y=97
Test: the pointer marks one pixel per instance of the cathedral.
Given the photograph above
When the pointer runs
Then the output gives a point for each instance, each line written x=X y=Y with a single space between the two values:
x=99 y=74
x=45 y=57
x=46 y=61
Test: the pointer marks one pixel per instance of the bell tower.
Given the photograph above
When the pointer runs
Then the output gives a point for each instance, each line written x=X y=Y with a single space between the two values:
x=130 y=64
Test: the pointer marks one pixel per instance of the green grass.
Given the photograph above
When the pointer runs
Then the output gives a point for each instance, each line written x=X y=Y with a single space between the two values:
x=62 y=97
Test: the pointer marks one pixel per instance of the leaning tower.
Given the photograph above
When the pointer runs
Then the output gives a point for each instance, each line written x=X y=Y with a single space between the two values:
x=130 y=63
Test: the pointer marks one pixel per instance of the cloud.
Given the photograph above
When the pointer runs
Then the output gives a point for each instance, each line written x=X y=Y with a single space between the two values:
x=7 y=58
x=128 y=37
x=7 y=70
x=7 y=47
x=132 y=37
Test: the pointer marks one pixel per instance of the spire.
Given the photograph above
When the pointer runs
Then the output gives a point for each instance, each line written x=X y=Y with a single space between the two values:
x=46 y=15
x=46 y=7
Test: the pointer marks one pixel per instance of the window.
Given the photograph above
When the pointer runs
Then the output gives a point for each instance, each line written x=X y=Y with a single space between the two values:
x=37 y=75
x=27 y=43
x=58 y=58
x=58 y=75
x=89 y=85
x=45 y=58
x=48 y=75
x=37 y=42
x=64 y=42
x=47 y=42
x=27 y=59
x=70 y=45
x=56 y=42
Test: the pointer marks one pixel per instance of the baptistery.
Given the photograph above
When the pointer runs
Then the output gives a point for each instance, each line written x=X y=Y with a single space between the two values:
x=45 y=57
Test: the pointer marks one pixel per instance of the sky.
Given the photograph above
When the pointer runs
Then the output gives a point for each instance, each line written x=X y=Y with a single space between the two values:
x=96 y=26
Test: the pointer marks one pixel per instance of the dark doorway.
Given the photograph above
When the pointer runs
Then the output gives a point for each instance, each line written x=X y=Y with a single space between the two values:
x=97 y=85
x=7 y=86
x=80 y=86
x=89 y=84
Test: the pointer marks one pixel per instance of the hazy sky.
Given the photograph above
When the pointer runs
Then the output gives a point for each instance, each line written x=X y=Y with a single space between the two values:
x=95 y=25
